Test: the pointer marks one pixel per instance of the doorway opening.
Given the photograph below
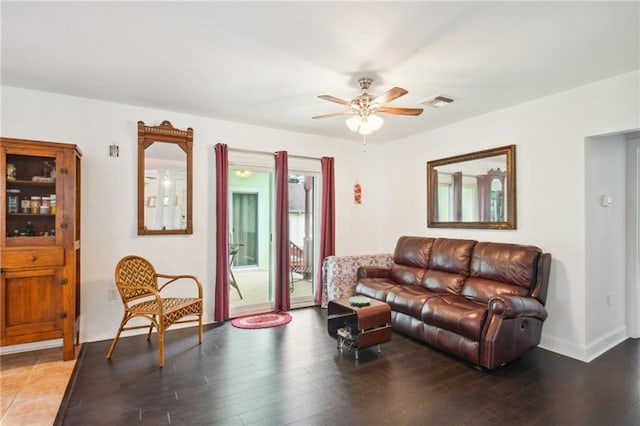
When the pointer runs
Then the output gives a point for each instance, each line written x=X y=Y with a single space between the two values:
x=303 y=227
x=250 y=240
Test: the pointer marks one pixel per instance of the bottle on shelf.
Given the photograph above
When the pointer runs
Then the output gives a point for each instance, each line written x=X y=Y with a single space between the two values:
x=13 y=197
x=36 y=201
x=29 y=229
x=25 y=205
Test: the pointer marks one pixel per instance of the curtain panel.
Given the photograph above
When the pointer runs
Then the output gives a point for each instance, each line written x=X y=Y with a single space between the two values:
x=457 y=197
x=328 y=220
x=221 y=307
x=282 y=296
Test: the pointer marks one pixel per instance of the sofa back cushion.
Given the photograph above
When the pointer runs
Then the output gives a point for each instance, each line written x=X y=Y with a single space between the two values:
x=413 y=251
x=448 y=265
x=501 y=268
x=407 y=274
x=451 y=255
x=411 y=258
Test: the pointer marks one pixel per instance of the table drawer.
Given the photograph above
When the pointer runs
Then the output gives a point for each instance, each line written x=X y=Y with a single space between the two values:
x=32 y=258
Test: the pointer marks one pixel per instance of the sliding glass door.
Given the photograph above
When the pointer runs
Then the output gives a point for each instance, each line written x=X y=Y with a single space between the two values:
x=251 y=227
x=251 y=245
x=244 y=227
x=302 y=232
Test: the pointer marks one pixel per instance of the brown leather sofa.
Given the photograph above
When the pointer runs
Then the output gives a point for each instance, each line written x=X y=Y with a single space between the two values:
x=480 y=301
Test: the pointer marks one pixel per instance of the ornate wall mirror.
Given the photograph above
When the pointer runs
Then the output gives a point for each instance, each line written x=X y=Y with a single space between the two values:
x=164 y=179
x=476 y=190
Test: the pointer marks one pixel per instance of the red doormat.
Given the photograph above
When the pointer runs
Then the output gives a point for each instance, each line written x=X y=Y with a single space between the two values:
x=262 y=320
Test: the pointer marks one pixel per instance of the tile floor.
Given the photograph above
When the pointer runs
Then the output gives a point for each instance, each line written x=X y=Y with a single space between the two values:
x=32 y=385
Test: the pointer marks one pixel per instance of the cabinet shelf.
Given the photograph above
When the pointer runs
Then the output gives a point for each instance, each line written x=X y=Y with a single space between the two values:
x=17 y=183
x=31 y=214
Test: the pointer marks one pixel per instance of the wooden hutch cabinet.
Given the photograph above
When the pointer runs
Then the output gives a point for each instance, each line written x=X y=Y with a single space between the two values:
x=40 y=243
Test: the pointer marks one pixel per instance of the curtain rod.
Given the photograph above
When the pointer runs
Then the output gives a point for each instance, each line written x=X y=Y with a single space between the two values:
x=254 y=151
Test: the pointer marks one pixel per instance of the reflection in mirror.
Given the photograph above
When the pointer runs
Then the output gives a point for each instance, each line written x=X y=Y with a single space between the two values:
x=474 y=190
x=164 y=179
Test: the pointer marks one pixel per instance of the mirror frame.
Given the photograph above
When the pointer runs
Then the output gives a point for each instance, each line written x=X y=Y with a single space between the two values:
x=510 y=178
x=165 y=132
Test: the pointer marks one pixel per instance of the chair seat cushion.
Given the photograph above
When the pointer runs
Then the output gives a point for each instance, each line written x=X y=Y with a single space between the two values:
x=456 y=314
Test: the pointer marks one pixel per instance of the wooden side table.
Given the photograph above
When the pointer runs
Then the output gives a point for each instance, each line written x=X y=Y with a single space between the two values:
x=361 y=327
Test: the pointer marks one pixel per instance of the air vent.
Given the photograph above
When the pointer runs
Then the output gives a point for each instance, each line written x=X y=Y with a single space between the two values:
x=438 y=101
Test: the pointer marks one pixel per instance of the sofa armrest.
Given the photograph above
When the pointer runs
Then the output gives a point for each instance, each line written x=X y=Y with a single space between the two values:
x=373 y=272
x=340 y=273
x=513 y=306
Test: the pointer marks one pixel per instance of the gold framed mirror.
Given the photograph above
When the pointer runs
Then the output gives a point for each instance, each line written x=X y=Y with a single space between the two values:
x=475 y=190
x=165 y=191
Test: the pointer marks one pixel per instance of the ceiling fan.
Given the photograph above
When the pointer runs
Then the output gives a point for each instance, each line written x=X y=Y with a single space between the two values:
x=365 y=108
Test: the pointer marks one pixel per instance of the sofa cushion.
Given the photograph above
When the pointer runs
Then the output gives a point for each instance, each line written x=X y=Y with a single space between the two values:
x=482 y=290
x=376 y=288
x=500 y=268
x=442 y=282
x=457 y=314
x=407 y=274
x=409 y=299
x=451 y=255
x=413 y=251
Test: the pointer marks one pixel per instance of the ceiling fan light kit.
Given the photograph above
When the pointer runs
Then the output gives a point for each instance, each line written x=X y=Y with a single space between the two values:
x=365 y=108
x=364 y=125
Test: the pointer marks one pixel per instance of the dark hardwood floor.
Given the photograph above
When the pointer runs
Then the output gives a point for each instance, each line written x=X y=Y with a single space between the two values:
x=294 y=375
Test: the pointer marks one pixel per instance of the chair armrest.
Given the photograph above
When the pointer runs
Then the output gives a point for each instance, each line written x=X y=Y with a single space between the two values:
x=513 y=306
x=174 y=278
x=373 y=272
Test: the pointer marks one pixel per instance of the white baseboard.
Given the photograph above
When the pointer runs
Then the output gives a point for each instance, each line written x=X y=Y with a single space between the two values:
x=588 y=352
x=26 y=347
x=598 y=346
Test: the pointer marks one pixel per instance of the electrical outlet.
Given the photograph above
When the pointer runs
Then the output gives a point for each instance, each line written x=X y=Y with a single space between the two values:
x=608 y=299
x=113 y=294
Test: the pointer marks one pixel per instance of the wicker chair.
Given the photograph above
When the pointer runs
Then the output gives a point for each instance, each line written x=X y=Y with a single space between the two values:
x=137 y=282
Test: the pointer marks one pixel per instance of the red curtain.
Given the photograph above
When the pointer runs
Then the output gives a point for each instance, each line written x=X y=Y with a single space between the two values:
x=221 y=308
x=328 y=217
x=457 y=197
x=483 y=198
x=434 y=190
x=282 y=297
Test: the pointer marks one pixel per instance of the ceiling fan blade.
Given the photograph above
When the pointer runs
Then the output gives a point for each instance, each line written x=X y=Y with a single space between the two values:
x=334 y=114
x=334 y=99
x=400 y=111
x=389 y=95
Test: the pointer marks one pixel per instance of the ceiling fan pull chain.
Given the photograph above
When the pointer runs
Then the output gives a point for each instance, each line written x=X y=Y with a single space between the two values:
x=364 y=143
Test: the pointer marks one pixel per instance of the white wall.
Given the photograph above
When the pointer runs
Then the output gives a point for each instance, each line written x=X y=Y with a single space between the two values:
x=549 y=134
x=109 y=188
x=605 y=242
x=633 y=237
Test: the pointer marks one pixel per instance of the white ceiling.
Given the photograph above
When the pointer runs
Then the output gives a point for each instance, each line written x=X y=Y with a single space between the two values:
x=264 y=63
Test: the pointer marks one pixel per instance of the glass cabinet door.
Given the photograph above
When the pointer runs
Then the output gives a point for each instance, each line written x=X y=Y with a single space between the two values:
x=32 y=199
